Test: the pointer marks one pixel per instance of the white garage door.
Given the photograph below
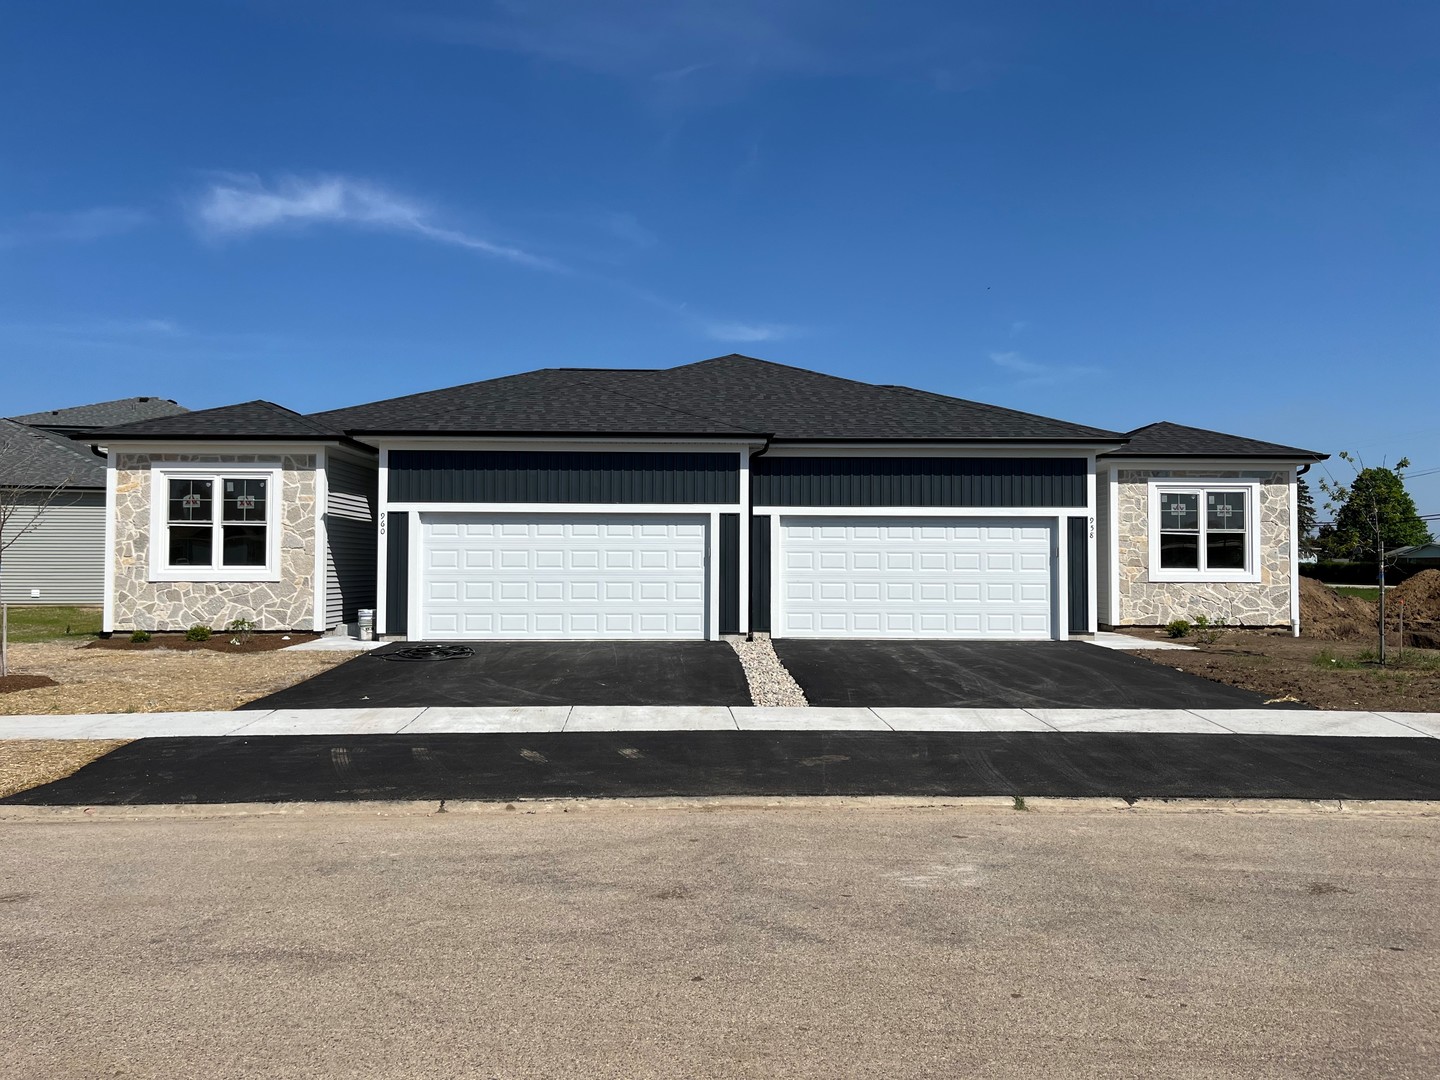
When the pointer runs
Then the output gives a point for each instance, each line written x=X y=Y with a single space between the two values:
x=915 y=578
x=562 y=576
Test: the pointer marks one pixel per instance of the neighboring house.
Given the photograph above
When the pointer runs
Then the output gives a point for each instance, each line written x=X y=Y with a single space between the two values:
x=1415 y=558
x=723 y=497
x=52 y=490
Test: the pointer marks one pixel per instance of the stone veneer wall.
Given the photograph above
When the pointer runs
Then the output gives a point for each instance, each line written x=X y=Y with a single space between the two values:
x=1153 y=603
x=287 y=604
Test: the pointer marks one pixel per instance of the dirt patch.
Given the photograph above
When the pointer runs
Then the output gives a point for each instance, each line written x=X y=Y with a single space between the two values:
x=1326 y=615
x=1421 y=597
x=156 y=680
x=217 y=642
x=28 y=763
x=10 y=683
x=1325 y=674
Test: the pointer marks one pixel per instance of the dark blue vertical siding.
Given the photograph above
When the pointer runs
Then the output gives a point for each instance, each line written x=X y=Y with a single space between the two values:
x=917 y=481
x=729 y=569
x=1079 y=577
x=397 y=573
x=524 y=476
x=760 y=573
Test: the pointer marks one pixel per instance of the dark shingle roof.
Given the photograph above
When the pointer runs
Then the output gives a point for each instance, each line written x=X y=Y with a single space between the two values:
x=30 y=457
x=248 y=420
x=1165 y=439
x=723 y=396
x=103 y=413
x=548 y=401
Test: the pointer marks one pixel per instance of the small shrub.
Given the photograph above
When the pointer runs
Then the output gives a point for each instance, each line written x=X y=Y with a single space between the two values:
x=1177 y=627
x=1208 y=632
x=140 y=636
x=243 y=629
x=198 y=633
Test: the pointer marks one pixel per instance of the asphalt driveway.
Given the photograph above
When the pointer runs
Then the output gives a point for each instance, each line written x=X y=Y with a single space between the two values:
x=632 y=764
x=995 y=675
x=519 y=673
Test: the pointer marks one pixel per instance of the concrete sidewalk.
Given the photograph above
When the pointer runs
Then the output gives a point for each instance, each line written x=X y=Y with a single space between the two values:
x=597 y=718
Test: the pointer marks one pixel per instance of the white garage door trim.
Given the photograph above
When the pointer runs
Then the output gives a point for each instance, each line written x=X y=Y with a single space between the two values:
x=873 y=576
x=561 y=576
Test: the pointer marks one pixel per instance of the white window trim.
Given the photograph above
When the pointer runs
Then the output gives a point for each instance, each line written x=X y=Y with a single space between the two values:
x=1251 y=490
x=162 y=472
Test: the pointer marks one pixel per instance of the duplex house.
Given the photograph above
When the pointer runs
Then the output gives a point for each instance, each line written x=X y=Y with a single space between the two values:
x=729 y=496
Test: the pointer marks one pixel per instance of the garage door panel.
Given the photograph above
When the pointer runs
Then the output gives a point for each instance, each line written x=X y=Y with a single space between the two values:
x=865 y=578
x=559 y=576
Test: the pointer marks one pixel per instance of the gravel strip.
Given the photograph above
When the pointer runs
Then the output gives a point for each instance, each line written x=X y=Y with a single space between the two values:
x=770 y=682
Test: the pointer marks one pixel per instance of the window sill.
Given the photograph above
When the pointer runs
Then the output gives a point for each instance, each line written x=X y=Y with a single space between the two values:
x=1199 y=577
x=237 y=575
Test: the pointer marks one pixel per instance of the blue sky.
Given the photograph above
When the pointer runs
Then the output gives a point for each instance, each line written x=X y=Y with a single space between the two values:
x=1219 y=214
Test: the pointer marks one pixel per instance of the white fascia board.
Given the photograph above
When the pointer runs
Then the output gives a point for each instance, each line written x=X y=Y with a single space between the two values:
x=938 y=449
x=1231 y=464
x=564 y=508
x=186 y=446
x=1051 y=512
x=580 y=443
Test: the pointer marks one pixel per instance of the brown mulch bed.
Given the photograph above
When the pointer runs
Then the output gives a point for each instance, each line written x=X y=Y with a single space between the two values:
x=10 y=683
x=28 y=763
x=218 y=642
x=1325 y=674
x=89 y=680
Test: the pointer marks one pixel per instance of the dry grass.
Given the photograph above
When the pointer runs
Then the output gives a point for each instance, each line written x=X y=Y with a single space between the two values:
x=162 y=680
x=28 y=763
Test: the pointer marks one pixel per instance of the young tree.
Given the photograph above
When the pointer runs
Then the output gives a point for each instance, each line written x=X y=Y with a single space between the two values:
x=1305 y=509
x=1374 y=509
x=22 y=508
x=1373 y=515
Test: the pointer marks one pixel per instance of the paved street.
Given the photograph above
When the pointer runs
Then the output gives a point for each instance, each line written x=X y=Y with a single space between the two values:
x=867 y=941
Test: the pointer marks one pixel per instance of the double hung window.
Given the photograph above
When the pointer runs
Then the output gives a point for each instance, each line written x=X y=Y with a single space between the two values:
x=1202 y=532
x=216 y=525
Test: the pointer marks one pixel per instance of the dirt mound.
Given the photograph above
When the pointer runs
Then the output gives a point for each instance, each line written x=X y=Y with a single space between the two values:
x=1421 y=595
x=1329 y=616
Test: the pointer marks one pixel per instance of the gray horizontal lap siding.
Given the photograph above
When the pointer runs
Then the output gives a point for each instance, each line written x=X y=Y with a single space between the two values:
x=63 y=555
x=351 y=539
x=917 y=481
x=524 y=476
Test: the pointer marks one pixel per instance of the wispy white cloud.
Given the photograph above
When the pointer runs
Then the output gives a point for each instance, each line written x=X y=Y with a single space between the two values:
x=749 y=332
x=688 y=52
x=73 y=226
x=242 y=205
x=624 y=226
x=1033 y=373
